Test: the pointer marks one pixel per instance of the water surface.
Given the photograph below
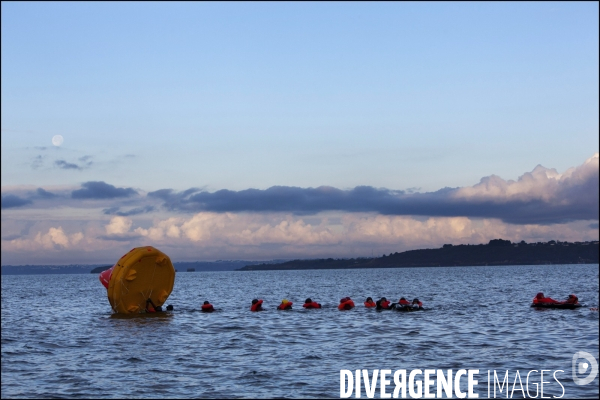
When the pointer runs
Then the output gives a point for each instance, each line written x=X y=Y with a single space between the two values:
x=59 y=338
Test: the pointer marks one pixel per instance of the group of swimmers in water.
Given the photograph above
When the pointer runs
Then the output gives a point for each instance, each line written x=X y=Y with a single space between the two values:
x=346 y=303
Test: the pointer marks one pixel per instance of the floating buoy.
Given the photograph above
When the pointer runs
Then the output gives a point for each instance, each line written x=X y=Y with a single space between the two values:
x=143 y=273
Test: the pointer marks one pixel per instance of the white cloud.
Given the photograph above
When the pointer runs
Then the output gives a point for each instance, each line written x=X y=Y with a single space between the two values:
x=118 y=225
x=55 y=237
x=168 y=228
x=541 y=183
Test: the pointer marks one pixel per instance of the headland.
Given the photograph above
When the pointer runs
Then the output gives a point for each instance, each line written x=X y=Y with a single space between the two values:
x=496 y=252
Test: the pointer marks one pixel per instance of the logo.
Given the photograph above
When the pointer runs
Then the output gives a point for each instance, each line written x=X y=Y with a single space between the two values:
x=582 y=367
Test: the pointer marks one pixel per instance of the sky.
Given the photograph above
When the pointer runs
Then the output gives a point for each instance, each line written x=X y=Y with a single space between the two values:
x=294 y=130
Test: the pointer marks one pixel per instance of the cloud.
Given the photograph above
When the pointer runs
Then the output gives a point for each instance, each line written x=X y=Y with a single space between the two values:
x=133 y=211
x=120 y=238
x=118 y=225
x=85 y=162
x=259 y=236
x=44 y=193
x=286 y=235
x=11 y=237
x=62 y=164
x=542 y=196
x=11 y=201
x=101 y=190
x=37 y=162
x=170 y=228
x=56 y=238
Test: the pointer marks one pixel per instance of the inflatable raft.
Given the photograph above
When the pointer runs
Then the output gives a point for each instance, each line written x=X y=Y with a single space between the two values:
x=143 y=273
x=559 y=306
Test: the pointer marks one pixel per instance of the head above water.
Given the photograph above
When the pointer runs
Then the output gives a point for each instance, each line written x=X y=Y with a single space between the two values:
x=369 y=299
x=540 y=295
x=169 y=307
x=254 y=301
x=309 y=300
x=206 y=302
x=284 y=301
x=402 y=298
x=416 y=301
x=383 y=299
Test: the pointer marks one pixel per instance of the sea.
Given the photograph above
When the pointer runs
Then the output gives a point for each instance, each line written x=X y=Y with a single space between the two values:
x=61 y=340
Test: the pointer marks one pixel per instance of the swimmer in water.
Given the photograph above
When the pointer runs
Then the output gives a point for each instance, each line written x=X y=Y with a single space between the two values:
x=369 y=303
x=256 y=305
x=346 y=304
x=151 y=308
x=383 y=304
x=285 y=305
x=541 y=299
x=572 y=299
x=207 y=307
x=308 y=303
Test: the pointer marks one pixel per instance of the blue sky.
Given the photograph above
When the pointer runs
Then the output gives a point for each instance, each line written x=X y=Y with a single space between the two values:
x=398 y=97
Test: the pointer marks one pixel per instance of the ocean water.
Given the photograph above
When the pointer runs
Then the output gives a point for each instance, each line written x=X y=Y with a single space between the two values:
x=59 y=338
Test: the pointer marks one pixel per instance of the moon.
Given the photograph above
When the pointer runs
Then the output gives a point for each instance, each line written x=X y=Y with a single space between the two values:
x=57 y=140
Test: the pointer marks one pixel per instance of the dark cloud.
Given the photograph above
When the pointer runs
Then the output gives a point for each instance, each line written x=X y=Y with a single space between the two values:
x=66 y=165
x=86 y=160
x=12 y=237
x=539 y=197
x=101 y=190
x=133 y=211
x=11 y=201
x=44 y=194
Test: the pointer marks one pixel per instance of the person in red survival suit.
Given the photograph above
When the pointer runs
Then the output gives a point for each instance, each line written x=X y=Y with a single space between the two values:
x=403 y=302
x=385 y=303
x=417 y=304
x=572 y=299
x=308 y=303
x=207 y=307
x=370 y=303
x=256 y=305
x=151 y=308
x=346 y=304
x=285 y=305
x=540 y=299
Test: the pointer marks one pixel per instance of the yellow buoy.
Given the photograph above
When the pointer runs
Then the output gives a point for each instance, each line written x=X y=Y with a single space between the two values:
x=143 y=273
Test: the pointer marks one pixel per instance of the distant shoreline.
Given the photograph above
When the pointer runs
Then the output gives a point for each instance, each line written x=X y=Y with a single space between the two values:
x=497 y=252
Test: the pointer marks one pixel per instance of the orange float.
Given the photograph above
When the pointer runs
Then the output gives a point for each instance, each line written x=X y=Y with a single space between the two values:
x=143 y=273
